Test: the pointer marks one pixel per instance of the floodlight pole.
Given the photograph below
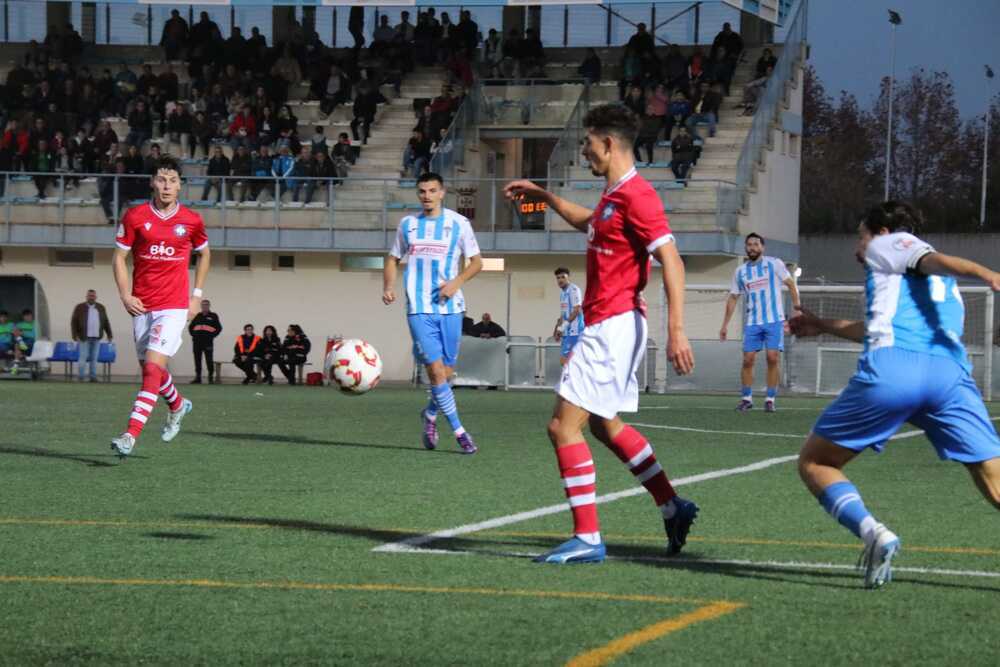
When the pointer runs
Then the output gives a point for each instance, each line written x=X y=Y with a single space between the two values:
x=894 y=20
x=986 y=153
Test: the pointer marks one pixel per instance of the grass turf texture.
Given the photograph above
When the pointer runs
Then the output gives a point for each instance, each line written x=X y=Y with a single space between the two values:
x=249 y=539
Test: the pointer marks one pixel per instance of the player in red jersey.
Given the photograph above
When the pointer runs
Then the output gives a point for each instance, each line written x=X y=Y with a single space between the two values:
x=599 y=380
x=161 y=236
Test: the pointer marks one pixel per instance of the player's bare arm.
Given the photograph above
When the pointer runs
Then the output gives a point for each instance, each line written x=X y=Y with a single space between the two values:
x=119 y=268
x=806 y=325
x=576 y=215
x=936 y=263
x=449 y=288
x=679 y=351
x=389 y=271
x=730 y=309
x=200 y=274
x=793 y=291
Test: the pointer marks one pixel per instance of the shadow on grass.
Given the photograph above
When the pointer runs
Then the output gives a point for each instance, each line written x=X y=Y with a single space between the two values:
x=96 y=461
x=295 y=440
x=180 y=536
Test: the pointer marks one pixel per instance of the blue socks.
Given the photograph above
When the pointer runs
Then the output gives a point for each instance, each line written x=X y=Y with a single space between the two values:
x=843 y=502
x=747 y=393
x=431 y=410
x=771 y=393
x=445 y=400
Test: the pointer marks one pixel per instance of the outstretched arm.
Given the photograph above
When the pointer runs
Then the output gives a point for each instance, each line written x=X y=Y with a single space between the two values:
x=936 y=263
x=576 y=215
x=806 y=324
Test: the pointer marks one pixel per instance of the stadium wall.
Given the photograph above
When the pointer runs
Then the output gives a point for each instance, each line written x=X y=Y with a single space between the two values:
x=320 y=294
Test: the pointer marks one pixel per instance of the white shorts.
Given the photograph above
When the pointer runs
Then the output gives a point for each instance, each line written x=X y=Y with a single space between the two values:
x=159 y=331
x=600 y=376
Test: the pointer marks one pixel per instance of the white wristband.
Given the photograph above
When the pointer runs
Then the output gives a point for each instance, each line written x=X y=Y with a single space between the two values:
x=196 y=292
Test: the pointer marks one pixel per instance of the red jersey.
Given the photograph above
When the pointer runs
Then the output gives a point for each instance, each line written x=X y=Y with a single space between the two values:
x=628 y=224
x=161 y=245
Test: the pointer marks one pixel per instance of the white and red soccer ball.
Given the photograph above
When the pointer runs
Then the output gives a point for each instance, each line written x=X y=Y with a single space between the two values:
x=354 y=366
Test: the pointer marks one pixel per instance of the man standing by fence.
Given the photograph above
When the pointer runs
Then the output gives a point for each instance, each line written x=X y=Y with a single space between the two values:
x=88 y=325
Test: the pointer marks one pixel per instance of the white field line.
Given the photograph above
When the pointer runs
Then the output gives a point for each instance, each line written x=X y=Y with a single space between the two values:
x=415 y=544
x=411 y=544
x=681 y=408
x=708 y=430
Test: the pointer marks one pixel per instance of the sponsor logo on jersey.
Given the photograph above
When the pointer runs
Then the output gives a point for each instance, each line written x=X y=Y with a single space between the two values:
x=161 y=249
x=121 y=229
x=148 y=225
x=902 y=243
x=608 y=211
x=180 y=230
x=758 y=283
x=590 y=232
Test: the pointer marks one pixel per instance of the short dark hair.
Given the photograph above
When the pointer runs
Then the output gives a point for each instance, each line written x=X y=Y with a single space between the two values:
x=168 y=163
x=431 y=176
x=27 y=311
x=754 y=235
x=248 y=325
x=615 y=119
x=4 y=313
x=562 y=269
x=896 y=216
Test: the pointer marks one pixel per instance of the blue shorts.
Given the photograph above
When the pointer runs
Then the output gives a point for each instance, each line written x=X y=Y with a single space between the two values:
x=759 y=336
x=436 y=337
x=567 y=344
x=934 y=393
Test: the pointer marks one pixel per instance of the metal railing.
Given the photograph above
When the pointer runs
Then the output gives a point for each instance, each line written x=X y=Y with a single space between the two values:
x=566 y=152
x=462 y=132
x=329 y=205
x=529 y=106
x=759 y=136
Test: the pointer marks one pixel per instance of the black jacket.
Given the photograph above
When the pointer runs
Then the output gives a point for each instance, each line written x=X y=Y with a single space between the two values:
x=218 y=167
x=296 y=349
x=204 y=328
x=270 y=349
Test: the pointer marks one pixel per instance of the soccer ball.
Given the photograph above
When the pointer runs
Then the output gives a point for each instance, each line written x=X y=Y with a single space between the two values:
x=354 y=366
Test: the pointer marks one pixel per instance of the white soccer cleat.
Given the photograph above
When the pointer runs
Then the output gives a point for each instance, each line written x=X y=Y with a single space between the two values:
x=174 y=419
x=123 y=444
x=876 y=559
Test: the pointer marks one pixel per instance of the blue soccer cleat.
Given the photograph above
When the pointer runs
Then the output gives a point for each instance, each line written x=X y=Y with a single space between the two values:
x=572 y=551
x=679 y=524
x=876 y=559
x=430 y=435
x=466 y=445
x=744 y=406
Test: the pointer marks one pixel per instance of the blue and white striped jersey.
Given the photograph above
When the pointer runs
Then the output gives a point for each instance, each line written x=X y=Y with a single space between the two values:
x=432 y=249
x=760 y=284
x=570 y=298
x=907 y=309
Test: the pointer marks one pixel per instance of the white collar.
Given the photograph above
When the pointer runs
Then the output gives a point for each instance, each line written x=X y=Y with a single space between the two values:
x=165 y=215
x=621 y=181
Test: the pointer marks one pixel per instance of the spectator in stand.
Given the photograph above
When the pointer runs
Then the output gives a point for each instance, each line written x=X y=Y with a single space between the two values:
x=216 y=107
x=151 y=161
x=267 y=126
x=135 y=185
x=729 y=40
x=511 y=54
x=446 y=38
x=42 y=160
x=365 y=107
x=650 y=125
x=404 y=28
x=179 y=124
x=236 y=49
x=487 y=328
x=88 y=105
x=752 y=92
x=168 y=83
x=204 y=328
x=270 y=352
x=295 y=351
x=383 y=35
x=140 y=125
x=532 y=63
x=204 y=38
x=106 y=93
x=18 y=141
x=631 y=67
x=39 y=131
x=317 y=143
x=282 y=168
x=88 y=324
x=175 y=36
x=424 y=36
x=243 y=129
x=677 y=112
x=202 y=133
x=706 y=109
x=459 y=70
x=104 y=137
x=336 y=90
x=720 y=69
x=6 y=164
x=467 y=34
x=323 y=168
x=231 y=80
x=246 y=353
x=425 y=122
x=217 y=166
x=493 y=55
x=261 y=166
x=675 y=69
x=302 y=169
x=125 y=86
x=146 y=79
x=641 y=42
x=683 y=154
x=416 y=155
x=240 y=167
x=343 y=156
x=590 y=68
x=766 y=60
x=635 y=100
x=63 y=167
x=106 y=190
x=286 y=73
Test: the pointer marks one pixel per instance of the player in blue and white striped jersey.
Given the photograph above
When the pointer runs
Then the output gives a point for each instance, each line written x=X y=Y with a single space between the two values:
x=433 y=245
x=569 y=326
x=914 y=369
x=759 y=281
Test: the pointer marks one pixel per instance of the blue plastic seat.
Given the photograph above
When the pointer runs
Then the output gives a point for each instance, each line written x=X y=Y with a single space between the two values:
x=67 y=352
x=106 y=355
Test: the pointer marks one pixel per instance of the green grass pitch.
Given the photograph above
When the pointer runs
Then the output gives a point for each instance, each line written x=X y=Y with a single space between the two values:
x=251 y=540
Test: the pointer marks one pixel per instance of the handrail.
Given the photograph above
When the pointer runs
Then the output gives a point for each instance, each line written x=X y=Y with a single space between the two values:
x=565 y=152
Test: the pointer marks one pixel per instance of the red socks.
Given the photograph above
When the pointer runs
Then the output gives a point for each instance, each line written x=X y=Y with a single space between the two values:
x=169 y=392
x=635 y=452
x=145 y=401
x=577 y=470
